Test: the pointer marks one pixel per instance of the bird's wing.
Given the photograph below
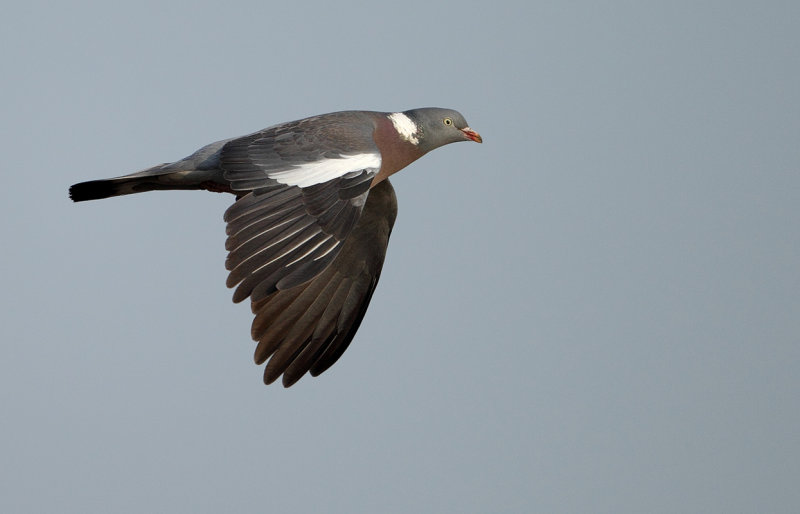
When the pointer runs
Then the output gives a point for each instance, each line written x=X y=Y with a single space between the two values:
x=308 y=327
x=301 y=189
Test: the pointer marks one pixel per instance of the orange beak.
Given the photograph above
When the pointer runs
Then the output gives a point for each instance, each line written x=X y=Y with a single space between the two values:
x=472 y=135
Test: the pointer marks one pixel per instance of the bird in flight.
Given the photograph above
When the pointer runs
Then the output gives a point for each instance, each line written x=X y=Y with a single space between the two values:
x=308 y=231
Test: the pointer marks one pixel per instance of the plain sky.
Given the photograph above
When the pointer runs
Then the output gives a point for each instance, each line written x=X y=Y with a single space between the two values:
x=597 y=310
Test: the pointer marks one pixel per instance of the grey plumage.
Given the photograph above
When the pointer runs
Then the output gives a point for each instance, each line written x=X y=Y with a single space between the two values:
x=308 y=232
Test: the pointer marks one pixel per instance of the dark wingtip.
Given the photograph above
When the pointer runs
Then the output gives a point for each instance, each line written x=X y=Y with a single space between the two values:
x=92 y=190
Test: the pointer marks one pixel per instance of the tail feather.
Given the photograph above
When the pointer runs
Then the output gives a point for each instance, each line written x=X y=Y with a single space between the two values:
x=145 y=180
x=154 y=179
x=93 y=190
x=200 y=170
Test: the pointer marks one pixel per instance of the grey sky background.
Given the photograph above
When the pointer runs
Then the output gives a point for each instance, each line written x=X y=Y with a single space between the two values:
x=597 y=310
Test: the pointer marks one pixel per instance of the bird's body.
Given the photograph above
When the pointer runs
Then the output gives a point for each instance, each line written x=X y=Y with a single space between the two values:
x=308 y=232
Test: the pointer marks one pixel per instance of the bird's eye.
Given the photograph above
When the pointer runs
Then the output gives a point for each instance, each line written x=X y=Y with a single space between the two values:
x=448 y=121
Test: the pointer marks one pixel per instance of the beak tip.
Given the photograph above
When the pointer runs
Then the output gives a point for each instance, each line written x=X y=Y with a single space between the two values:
x=471 y=134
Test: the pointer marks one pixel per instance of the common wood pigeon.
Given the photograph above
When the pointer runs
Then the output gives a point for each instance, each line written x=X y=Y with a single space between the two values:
x=308 y=231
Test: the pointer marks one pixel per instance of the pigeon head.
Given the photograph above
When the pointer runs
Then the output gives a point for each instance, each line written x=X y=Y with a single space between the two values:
x=432 y=127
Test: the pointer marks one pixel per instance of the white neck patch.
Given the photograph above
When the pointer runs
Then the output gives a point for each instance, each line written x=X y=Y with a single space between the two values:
x=405 y=126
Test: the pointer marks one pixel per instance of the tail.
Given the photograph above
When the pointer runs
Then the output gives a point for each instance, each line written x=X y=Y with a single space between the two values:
x=93 y=190
x=161 y=177
x=198 y=171
x=146 y=180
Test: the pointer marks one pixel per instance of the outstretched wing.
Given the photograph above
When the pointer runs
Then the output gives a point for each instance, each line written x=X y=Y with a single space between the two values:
x=301 y=189
x=309 y=326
